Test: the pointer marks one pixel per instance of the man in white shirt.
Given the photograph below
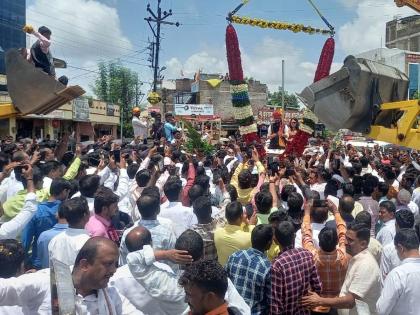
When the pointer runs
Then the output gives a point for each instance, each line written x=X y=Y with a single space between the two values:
x=94 y=266
x=140 y=125
x=66 y=245
x=387 y=216
x=400 y=295
x=361 y=288
x=14 y=227
x=182 y=217
x=129 y=287
x=404 y=219
x=162 y=229
x=163 y=285
x=319 y=216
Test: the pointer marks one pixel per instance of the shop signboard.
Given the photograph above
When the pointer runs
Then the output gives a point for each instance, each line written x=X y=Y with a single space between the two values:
x=194 y=109
x=81 y=109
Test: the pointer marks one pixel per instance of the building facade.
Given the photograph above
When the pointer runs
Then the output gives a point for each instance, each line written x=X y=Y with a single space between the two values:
x=404 y=33
x=12 y=19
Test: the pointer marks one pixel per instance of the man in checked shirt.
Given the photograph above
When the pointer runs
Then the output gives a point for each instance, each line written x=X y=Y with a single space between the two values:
x=293 y=274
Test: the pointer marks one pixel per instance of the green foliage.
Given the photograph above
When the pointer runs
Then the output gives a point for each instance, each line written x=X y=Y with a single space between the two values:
x=290 y=100
x=195 y=143
x=416 y=95
x=117 y=84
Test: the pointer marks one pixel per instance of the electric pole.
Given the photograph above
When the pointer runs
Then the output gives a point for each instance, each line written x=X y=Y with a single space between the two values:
x=159 y=19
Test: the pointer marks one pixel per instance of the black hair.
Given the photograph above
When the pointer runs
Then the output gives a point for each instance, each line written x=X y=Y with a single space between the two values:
x=262 y=236
x=151 y=191
x=362 y=231
x=389 y=206
x=367 y=188
x=295 y=202
x=285 y=234
x=104 y=197
x=203 y=181
x=74 y=186
x=328 y=239
x=88 y=185
x=50 y=166
x=149 y=206
x=172 y=189
x=348 y=189
x=143 y=178
x=132 y=170
x=44 y=30
x=278 y=216
x=319 y=214
x=202 y=208
x=357 y=184
x=407 y=238
x=74 y=210
x=191 y=242
x=383 y=188
x=346 y=204
x=404 y=218
x=264 y=202
x=244 y=179
x=208 y=275
x=364 y=217
x=12 y=256
x=37 y=177
x=233 y=193
x=234 y=211
x=195 y=192
x=331 y=188
x=286 y=191
x=58 y=185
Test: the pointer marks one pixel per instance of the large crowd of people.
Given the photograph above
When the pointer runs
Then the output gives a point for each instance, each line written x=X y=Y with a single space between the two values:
x=148 y=228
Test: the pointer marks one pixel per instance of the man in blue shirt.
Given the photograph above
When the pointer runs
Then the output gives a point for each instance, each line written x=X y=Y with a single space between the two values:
x=45 y=217
x=170 y=127
x=249 y=270
x=42 y=256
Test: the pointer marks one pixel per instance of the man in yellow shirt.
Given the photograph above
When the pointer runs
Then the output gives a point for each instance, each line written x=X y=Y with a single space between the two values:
x=235 y=235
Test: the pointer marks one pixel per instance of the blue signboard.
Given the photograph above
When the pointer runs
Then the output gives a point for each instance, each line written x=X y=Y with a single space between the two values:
x=413 y=75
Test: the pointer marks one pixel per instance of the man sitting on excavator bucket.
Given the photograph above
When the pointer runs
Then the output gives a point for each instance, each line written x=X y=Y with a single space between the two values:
x=40 y=53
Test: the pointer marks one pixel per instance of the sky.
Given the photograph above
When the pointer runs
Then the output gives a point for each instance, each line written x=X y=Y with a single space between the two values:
x=88 y=31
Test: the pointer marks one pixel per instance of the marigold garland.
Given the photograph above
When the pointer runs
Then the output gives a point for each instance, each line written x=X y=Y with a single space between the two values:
x=296 y=28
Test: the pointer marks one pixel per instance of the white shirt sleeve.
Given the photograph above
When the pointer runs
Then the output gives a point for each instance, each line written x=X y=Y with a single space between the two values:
x=159 y=283
x=14 y=227
x=390 y=294
x=104 y=174
x=23 y=290
x=122 y=189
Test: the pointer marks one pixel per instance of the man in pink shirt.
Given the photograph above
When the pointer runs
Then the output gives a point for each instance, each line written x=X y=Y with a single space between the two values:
x=106 y=206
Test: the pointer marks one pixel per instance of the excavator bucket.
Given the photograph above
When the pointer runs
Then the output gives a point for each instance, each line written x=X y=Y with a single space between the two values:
x=33 y=91
x=351 y=97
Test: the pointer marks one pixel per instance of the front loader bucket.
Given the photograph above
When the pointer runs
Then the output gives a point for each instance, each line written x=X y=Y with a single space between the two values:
x=351 y=97
x=33 y=91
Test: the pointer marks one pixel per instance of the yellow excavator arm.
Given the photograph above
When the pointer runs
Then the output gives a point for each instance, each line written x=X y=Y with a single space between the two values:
x=7 y=110
x=414 y=4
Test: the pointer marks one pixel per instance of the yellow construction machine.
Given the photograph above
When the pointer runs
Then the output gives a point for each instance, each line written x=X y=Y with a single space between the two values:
x=368 y=97
x=33 y=91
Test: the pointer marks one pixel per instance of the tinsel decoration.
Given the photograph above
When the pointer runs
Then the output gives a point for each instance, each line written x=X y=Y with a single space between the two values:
x=325 y=60
x=239 y=91
x=283 y=26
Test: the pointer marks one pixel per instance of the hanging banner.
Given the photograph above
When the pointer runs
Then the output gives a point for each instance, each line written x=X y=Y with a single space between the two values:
x=194 y=109
x=81 y=109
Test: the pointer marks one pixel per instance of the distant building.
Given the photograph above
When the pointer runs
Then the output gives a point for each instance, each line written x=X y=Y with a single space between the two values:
x=12 y=19
x=404 y=33
x=405 y=61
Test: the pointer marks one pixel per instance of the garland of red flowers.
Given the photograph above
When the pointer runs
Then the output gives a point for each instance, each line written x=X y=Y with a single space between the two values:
x=239 y=90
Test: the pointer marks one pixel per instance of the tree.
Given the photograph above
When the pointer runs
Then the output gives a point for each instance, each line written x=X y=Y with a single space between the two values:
x=117 y=84
x=290 y=100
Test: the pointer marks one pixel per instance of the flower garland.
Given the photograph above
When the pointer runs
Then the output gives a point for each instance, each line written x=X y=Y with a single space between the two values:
x=296 y=28
x=239 y=90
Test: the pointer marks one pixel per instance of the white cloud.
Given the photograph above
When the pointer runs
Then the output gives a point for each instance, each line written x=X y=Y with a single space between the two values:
x=263 y=63
x=83 y=32
x=365 y=31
